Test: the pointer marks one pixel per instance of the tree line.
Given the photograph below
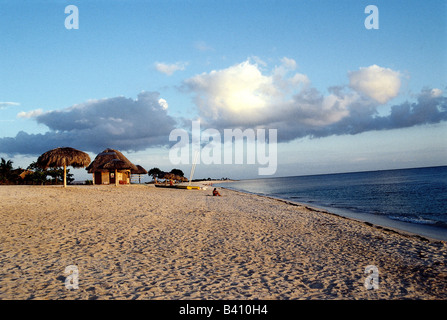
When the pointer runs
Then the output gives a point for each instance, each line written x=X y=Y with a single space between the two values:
x=157 y=173
x=33 y=174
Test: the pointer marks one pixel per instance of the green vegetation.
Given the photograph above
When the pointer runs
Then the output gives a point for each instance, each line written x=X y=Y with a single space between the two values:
x=33 y=174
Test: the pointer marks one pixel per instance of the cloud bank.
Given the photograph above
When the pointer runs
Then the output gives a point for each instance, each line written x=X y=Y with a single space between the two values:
x=243 y=96
x=122 y=123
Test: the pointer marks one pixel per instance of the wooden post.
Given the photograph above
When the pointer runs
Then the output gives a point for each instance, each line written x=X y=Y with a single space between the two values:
x=116 y=178
x=65 y=176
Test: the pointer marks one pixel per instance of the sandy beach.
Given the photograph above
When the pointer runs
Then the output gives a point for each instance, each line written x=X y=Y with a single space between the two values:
x=142 y=242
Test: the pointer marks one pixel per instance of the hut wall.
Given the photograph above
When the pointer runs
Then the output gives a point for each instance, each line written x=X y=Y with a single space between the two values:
x=123 y=176
x=109 y=177
x=105 y=178
x=126 y=177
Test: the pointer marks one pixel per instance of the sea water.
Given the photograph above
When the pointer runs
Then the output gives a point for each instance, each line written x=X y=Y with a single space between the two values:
x=413 y=200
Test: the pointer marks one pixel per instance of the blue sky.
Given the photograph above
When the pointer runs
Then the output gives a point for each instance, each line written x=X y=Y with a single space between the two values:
x=311 y=69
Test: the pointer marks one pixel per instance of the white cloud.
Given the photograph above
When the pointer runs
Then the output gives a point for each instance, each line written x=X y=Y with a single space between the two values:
x=240 y=90
x=8 y=104
x=202 y=46
x=246 y=96
x=380 y=84
x=285 y=82
x=29 y=114
x=436 y=92
x=258 y=61
x=241 y=95
x=289 y=63
x=169 y=69
x=163 y=103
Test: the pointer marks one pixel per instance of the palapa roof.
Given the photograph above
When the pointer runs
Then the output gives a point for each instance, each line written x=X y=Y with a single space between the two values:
x=110 y=159
x=25 y=172
x=171 y=176
x=140 y=170
x=116 y=164
x=63 y=156
x=166 y=175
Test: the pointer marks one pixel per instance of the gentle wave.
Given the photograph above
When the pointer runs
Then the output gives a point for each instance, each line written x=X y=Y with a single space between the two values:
x=419 y=220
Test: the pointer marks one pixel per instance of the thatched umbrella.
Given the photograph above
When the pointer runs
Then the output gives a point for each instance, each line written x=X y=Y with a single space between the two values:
x=177 y=178
x=139 y=172
x=168 y=176
x=63 y=157
x=25 y=173
x=161 y=175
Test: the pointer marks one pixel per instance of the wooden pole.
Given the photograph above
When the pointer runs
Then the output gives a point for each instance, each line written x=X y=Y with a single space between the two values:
x=65 y=176
x=116 y=178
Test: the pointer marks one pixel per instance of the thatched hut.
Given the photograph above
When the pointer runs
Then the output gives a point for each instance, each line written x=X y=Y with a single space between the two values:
x=111 y=167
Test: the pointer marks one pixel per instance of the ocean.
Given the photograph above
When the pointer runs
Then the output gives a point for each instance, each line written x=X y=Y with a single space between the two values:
x=413 y=200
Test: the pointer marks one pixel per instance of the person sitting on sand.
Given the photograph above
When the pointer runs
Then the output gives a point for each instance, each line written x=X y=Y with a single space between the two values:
x=216 y=193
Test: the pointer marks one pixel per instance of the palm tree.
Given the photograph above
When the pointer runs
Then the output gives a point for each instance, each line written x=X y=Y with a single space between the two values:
x=5 y=169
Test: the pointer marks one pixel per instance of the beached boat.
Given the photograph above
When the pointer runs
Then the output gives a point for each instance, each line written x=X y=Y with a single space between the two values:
x=189 y=187
x=177 y=186
x=182 y=186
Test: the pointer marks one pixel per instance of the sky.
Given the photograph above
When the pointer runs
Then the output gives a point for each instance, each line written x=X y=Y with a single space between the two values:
x=342 y=97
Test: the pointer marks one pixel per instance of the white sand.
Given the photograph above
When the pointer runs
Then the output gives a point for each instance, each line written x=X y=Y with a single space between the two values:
x=142 y=242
